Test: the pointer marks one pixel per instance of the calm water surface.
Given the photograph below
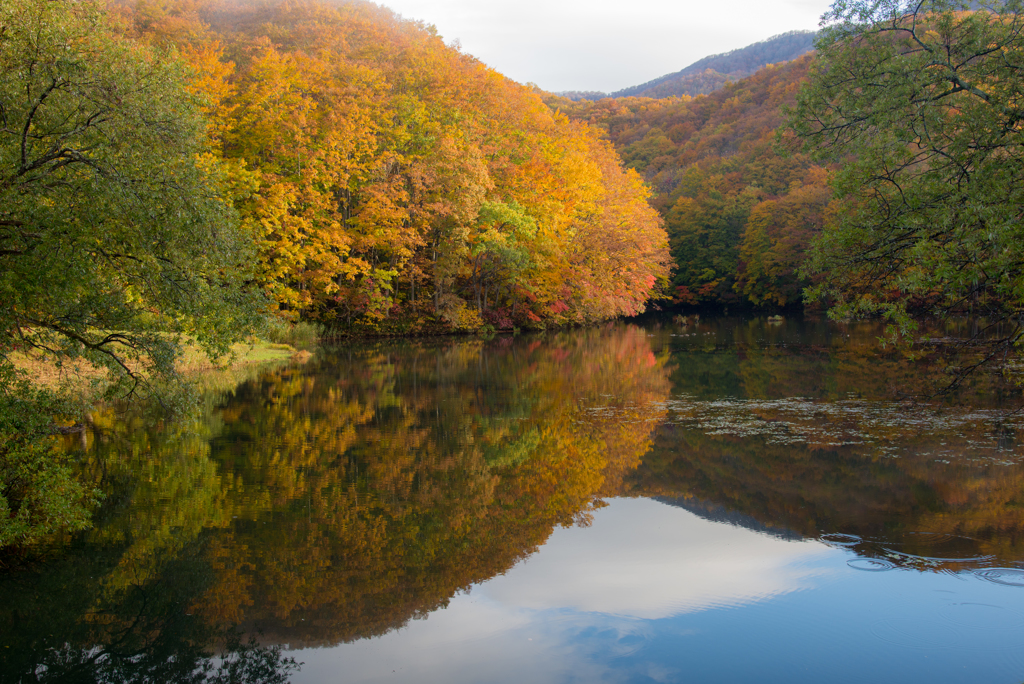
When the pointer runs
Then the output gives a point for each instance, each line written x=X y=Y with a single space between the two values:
x=723 y=500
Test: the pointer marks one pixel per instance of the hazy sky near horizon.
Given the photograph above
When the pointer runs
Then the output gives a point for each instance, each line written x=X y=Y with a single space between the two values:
x=604 y=45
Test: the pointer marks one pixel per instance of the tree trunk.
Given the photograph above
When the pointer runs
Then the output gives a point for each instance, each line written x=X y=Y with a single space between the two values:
x=412 y=289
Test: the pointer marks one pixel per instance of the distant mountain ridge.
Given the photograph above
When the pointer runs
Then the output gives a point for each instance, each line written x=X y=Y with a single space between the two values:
x=712 y=72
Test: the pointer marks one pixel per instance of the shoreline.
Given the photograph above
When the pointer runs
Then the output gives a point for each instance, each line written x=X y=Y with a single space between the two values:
x=44 y=373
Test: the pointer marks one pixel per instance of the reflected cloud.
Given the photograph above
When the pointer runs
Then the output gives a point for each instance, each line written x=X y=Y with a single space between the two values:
x=495 y=644
x=583 y=600
x=649 y=560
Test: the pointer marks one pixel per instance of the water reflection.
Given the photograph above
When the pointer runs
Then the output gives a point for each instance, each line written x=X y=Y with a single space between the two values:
x=845 y=489
x=798 y=426
x=589 y=605
x=340 y=499
x=387 y=480
x=72 y=620
x=632 y=568
x=654 y=592
x=820 y=360
x=437 y=493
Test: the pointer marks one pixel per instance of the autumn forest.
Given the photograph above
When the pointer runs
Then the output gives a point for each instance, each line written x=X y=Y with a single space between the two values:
x=180 y=174
x=397 y=184
x=194 y=174
x=390 y=178
x=391 y=183
x=740 y=204
x=312 y=324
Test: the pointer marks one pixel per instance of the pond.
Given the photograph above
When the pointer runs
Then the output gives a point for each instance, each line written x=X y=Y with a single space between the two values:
x=669 y=500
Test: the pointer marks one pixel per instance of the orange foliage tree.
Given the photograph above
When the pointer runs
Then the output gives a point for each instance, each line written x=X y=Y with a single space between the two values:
x=395 y=182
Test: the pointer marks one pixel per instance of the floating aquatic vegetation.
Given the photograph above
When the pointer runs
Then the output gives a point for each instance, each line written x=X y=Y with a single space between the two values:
x=888 y=427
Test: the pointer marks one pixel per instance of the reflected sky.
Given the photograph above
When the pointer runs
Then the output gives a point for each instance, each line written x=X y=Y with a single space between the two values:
x=654 y=593
x=687 y=564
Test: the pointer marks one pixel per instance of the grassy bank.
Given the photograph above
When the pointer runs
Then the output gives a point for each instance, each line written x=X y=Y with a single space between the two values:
x=43 y=370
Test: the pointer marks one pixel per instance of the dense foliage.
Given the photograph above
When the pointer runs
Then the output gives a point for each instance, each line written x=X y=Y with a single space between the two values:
x=113 y=241
x=397 y=183
x=921 y=100
x=740 y=215
x=108 y=213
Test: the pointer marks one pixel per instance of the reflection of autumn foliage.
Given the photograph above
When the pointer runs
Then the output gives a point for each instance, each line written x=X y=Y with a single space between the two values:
x=342 y=498
x=402 y=474
x=69 y=623
x=162 y=490
x=844 y=490
x=814 y=358
x=770 y=451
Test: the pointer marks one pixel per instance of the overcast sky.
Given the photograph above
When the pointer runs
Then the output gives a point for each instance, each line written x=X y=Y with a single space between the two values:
x=604 y=45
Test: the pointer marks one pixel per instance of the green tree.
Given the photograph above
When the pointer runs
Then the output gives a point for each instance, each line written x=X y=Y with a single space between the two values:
x=39 y=493
x=114 y=244
x=921 y=101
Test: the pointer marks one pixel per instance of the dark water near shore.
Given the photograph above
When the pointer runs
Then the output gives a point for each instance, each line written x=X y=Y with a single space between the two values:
x=720 y=500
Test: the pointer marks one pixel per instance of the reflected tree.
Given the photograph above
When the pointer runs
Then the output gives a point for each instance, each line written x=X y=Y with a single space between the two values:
x=340 y=499
x=62 y=624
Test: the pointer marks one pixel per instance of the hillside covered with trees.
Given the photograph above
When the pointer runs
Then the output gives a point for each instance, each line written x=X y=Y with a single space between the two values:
x=184 y=171
x=740 y=206
x=391 y=177
x=881 y=170
x=710 y=73
x=922 y=102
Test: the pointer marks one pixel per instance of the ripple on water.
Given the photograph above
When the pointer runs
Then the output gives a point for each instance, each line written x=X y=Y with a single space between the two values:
x=914 y=559
x=840 y=539
x=871 y=564
x=1011 y=577
x=933 y=538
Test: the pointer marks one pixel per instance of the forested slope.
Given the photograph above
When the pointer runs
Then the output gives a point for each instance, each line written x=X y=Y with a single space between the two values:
x=739 y=207
x=710 y=73
x=184 y=172
x=396 y=183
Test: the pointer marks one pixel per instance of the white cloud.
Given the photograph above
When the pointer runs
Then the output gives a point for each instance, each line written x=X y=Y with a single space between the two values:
x=473 y=640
